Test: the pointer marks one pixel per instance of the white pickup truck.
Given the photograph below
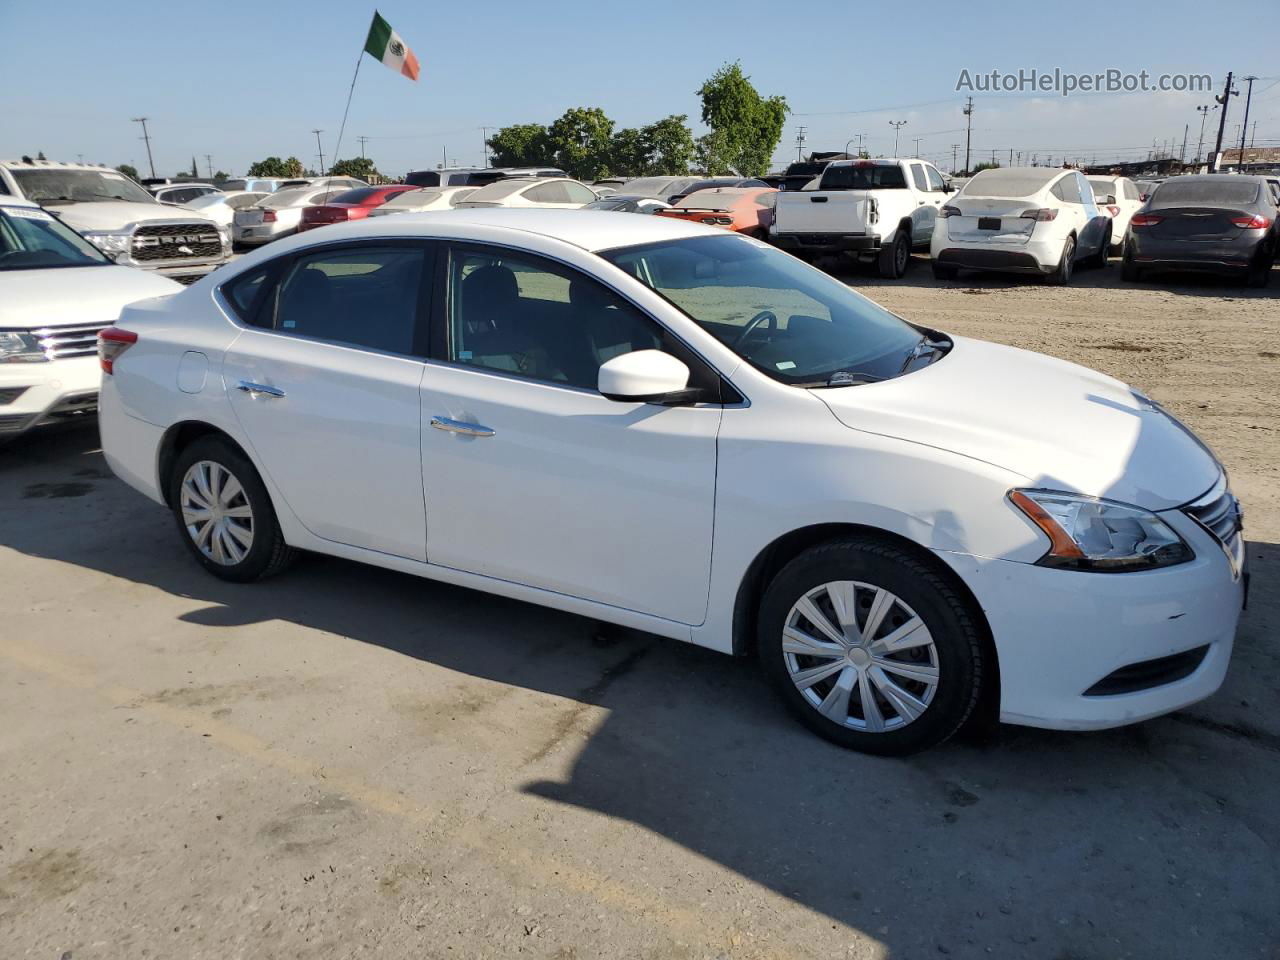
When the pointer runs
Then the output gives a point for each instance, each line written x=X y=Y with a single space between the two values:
x=120 y=218
x=874 y=209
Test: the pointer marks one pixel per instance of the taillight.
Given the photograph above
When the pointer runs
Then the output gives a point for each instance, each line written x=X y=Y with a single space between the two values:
x=1145 y=220
x=949 y=211
x=268 y=216
x=111 y=343
x=1256 y=222
x=1041 y=214
x=1113 y=210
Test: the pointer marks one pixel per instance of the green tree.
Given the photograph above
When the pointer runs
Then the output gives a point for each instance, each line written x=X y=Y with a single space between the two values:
x=128 y=170
x=670 y=145
x=581 y=139
x=221 y=175
x=745 y=127
x=275 y=167
x=629 y=153
x=361 y=167
x=522 y=145
x=979 y=167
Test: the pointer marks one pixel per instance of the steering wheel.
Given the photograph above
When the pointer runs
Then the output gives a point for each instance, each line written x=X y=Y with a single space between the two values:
x=754 y=322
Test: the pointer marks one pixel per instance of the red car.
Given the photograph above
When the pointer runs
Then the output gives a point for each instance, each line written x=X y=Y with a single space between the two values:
x=350 y=205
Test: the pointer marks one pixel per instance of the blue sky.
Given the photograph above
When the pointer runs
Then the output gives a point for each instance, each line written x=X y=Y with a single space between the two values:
x=242 y=80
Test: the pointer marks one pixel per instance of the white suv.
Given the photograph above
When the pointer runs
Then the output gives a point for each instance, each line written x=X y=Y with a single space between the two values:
x=56 y=292
x=119 y=217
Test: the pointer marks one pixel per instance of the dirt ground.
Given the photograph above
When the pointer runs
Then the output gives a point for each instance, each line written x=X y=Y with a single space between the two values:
x=346 y=762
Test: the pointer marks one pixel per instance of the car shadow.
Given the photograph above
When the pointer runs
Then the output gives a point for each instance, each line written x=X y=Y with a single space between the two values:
x=1155 y=840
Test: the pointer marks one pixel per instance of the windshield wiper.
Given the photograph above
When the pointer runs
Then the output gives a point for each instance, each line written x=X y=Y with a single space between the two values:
x=843 y=378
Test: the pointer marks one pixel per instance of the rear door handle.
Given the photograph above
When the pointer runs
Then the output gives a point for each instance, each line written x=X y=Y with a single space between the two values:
x=461 y=427
x=260 y=390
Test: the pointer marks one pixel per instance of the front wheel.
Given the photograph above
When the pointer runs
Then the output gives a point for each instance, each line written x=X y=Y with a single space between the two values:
x=870 y=648
x=224 y=513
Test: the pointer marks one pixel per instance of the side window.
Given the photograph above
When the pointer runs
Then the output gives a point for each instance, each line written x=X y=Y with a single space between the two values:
x=1067 y=189
x=936 y=183
x=548 y=193
x=578 y=193
x=364 y=297
x=521 y=315
x=918 y=178
x=246 y=292
x=1086 y=190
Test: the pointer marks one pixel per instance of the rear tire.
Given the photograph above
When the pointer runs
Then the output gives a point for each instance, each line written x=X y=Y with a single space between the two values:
x=1098 y=261
x=224 y=514
x=1061 y=274
x=1259 y=274
x=893 y=259
x=1130 y=272
x=887 y=687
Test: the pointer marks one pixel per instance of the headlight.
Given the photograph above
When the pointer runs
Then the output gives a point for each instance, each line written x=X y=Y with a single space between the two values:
x=17 y=347
x=117 y=246
x=1086 y=533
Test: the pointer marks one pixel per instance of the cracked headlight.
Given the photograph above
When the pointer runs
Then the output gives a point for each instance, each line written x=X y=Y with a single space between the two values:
x=1086 y=533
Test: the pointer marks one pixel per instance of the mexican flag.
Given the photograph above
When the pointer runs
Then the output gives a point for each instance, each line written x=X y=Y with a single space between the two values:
x=386 y=45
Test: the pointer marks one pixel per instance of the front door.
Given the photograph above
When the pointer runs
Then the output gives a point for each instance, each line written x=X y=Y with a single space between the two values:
x=325 y=386
x=531 y=475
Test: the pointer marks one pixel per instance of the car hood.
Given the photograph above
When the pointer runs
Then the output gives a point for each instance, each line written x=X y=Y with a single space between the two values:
x=117 y=214
x=75 y=295
x=1062 y=426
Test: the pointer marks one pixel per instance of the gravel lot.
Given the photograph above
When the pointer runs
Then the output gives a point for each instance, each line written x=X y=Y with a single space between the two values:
x=349 y=762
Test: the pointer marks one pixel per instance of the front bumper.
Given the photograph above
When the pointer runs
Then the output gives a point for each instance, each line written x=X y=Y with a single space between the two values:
x=46 y=393
x=827 y=242
x=1060 y=633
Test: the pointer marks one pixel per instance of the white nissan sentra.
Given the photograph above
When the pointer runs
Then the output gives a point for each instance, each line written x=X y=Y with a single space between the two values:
x=688 y=432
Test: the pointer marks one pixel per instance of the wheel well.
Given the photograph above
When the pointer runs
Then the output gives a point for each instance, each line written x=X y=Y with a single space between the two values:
x=176 y=439
x=906 y=225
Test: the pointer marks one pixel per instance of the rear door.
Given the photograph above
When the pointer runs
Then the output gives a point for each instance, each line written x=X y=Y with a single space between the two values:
x=926 y=207
x=324 y=381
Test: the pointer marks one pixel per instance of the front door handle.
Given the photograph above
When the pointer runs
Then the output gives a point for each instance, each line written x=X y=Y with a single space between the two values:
x=260 y=390
x=458 y=426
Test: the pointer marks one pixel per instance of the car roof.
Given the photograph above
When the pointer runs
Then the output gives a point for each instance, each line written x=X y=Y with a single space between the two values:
x=591 y=230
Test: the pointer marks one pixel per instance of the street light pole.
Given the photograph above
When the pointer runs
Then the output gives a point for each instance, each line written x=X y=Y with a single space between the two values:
x=145 y=136
x=968 y=131
x=1204 y=115
x=856 y=136
x=897 y=125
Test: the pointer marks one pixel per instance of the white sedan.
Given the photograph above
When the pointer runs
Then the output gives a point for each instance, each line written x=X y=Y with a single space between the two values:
x=686 y=431
x=221 y=207
x=545 y=193
x=423 y=200
x=56 y=292
x=1040 y=221
x=278 y=214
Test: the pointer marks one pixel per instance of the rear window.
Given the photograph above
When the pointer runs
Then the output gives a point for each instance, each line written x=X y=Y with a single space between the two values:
x=423 y=178
x=355 y=196
x=1008 y=183
x=1224 y=190
x=871 y=177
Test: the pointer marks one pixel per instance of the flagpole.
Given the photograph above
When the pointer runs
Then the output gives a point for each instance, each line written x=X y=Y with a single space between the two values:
x=359 y=59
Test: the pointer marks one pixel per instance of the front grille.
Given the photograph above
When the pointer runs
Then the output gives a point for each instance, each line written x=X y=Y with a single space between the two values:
x=10 y=394
x=1219 y=512
x=13 y=422
x=1149 y=673
x=62 y=342
x=175 y=241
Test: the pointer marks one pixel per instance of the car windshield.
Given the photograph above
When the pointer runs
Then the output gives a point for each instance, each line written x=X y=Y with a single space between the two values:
x=78 y=186
x=792 y=322
x=31 y=239
x=1208 y=191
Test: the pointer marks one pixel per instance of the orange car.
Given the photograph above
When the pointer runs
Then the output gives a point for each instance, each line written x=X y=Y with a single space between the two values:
x=746 y=210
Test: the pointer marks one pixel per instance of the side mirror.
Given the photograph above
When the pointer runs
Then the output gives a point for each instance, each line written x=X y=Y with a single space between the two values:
x=1110 y=200
x=646 y=376
x=948 y=188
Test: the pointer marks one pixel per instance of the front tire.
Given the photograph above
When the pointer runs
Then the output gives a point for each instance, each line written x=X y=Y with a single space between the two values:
x=870 y=648
x=224 y=514
x=893 y=259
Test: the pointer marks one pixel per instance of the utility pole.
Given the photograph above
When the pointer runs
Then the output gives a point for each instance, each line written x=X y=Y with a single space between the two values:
x=1253 y=136
x=917 y=140
x=208 y=160
x=897 y=125
x=800 y=145
x=1182 y=154
x=968 y=130
x=145 y=136
x=363 y=141
x=1244 y=127
x=954 y=148
x=319 y=150
x=1204 y=114
x=484 y=135
x=1011 y=156
x=1223 y=99
x=856 y=136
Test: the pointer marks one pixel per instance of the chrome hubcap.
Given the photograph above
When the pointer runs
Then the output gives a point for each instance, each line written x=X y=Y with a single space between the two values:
x=860 y=656
x=216 y=512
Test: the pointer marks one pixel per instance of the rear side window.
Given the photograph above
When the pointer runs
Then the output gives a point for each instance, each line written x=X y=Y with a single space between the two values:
x=578 y=193
x=918 y=178
x=245 y=293
x=1131 y=190
x=363 y=297
x=1067 y=190
x=548 y=193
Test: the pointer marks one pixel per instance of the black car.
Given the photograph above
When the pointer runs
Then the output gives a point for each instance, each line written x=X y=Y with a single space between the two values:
x=675 y=198
x=1213 y=223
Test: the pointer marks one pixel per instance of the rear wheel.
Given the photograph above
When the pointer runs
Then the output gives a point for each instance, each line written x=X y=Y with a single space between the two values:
x=1099 y=260
x=870 y=648
x=1062 y=272
x=1130 y=272
x=893 y=259
x=224 y=513
x=1259 y=274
